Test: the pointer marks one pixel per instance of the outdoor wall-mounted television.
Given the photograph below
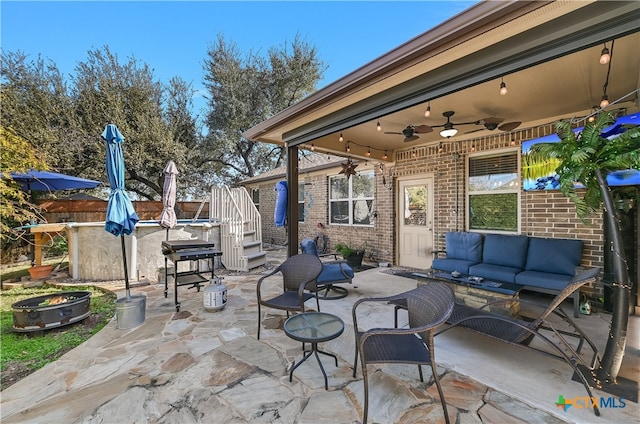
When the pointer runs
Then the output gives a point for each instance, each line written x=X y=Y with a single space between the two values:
x=542 y=176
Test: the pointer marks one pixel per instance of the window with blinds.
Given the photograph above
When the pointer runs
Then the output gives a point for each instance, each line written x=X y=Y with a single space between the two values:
x=494 y=193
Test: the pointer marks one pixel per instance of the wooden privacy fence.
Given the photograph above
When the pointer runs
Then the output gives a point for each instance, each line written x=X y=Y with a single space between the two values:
x=63 y=210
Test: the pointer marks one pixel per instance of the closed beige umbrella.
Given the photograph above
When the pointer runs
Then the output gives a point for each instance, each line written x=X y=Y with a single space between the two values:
x=168 y=217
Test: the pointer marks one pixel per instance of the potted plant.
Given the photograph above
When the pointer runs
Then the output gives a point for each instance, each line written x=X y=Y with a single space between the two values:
x=352 y=255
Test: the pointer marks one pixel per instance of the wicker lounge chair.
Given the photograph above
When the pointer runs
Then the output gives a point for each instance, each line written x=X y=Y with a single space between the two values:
x=520 y=332
x=298 y=274
x=428 y=306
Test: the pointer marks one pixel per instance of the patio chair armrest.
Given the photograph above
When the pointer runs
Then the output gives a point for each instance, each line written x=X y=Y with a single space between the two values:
x=386 y=299
x=263 y=278
x=325 y=255
x=436 y=253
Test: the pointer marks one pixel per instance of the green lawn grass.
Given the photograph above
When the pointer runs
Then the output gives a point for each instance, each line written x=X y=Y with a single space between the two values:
x=33 y=350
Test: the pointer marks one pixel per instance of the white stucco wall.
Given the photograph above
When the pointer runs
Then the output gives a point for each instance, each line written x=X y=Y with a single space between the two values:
x=95 y=254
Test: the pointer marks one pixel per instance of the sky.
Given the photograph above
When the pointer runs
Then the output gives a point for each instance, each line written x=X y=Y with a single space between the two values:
x=172 y=37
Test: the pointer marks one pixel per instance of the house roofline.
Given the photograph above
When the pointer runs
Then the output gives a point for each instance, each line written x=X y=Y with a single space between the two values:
x=482 y=16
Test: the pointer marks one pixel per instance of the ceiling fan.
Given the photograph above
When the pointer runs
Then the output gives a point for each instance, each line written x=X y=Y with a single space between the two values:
x=493 y=123
x=490 y=123
x=410 y=132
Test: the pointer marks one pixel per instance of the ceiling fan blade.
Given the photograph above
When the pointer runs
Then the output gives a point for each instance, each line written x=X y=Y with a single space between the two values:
x=472 y=131
x=492 y=120
x=395 y=133
x=509 y=126
x=423 y=129
x=412 y=138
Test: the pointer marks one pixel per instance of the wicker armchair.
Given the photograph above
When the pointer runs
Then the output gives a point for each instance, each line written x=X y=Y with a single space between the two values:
x=428 y=306
x=520 y=332
x=333 y=272
x=298 y=275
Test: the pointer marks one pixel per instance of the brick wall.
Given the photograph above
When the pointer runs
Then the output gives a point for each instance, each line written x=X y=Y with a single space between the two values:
x=377 y=240
x=543 y=213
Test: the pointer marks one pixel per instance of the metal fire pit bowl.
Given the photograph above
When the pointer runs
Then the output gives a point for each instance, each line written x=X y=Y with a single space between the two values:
x=51 y=311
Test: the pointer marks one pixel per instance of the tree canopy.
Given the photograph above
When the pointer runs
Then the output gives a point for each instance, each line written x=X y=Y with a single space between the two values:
x=62 y=117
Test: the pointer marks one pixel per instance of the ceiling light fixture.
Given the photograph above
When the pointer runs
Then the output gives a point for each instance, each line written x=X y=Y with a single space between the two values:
x=340 y=139
x=448 y=130
x=503 y=88
x=369 y=152
x=378 y=126
x=427 y=113
x=605 y=57
x=348 y=149
x=385 y=155
x=313 y=148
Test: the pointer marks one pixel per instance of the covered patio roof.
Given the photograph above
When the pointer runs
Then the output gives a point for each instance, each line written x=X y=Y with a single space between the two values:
x=547 y=53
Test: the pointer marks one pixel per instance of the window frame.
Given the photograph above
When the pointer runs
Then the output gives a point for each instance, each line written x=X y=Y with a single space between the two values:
x=350 y=199
x=517 y=190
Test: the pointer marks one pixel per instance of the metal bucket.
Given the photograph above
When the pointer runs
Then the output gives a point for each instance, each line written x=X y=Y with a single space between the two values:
x=130 y=312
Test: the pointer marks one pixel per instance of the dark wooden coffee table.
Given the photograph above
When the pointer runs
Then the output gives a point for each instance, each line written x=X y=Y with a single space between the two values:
x=314 y=327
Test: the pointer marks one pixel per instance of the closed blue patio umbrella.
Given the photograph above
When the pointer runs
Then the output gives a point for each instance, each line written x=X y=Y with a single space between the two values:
x=121 y=217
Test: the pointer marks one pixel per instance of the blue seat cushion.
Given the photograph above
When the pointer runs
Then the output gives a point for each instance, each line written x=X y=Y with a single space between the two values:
x=543 y=280
x=308 y=246
x=556 y=256
x=465 y=246
x=331 y=273
x=503 y=250
x=450 y=265
x=492 y=272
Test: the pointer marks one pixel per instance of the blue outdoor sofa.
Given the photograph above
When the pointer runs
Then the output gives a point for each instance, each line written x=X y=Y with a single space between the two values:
x=539 y=264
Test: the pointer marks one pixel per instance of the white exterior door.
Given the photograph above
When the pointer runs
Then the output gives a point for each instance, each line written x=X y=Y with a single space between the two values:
x=415 y=223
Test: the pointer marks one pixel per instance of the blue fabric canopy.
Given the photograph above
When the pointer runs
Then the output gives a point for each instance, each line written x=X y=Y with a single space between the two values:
x=51 y=181
x=121 y=216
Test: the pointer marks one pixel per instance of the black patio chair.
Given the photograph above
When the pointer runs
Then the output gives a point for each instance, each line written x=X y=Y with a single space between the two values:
x=428 y=307
x=521 y=332
x=298 y=274
x=333 y=271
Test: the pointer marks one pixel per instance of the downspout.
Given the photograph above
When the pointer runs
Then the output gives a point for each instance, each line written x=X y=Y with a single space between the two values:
x=292 y=203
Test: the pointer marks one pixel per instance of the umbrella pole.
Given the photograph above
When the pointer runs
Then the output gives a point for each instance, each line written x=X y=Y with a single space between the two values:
x=126 y=273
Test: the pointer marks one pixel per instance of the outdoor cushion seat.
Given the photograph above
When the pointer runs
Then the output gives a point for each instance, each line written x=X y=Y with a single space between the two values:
x=333 y=272
x=462 y=251
x=544 y=265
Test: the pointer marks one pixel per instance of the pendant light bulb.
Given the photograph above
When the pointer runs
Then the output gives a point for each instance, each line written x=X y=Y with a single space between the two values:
x=427 y=113
x=605 y=57
x=378 y=126
x=604 y=101
x=503 y=88
x=341 y=139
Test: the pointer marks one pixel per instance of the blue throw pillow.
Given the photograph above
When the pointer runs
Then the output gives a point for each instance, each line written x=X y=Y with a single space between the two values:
x=555 y=256
x=505 y=250
x=466 y=246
